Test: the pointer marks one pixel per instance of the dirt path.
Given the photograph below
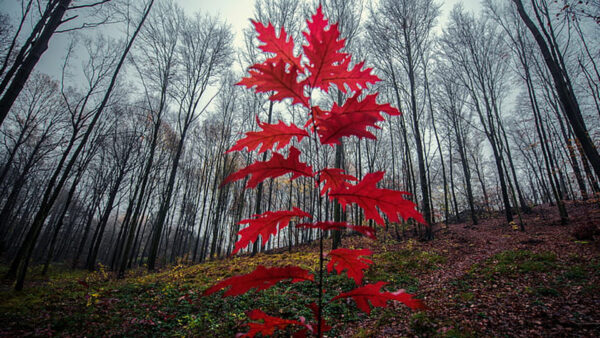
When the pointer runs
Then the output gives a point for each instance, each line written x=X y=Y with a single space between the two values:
x=472 y=245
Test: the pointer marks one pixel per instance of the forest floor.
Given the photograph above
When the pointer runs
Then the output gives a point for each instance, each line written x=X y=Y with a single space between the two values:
x=486 y=280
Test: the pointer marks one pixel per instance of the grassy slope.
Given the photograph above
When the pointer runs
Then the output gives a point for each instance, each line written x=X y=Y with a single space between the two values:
x=490 y=280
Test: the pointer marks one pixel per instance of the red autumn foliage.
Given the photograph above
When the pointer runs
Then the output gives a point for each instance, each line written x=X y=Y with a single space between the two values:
x=260 y=279
x=275 y=167
x=265 y=225
x=327 y=65
x=371 y=293
x=366 y=194
x=355 y=78
x=274 y=77
x=333 y=178
x=351 y=261
x=269 y=324
x=281 y=46
x=352 y=118
x=271 y=134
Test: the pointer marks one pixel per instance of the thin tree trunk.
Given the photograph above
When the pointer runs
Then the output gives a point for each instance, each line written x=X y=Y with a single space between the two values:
x=38 y=47
x=49 y=197
x=97 y=240
x=565 y=93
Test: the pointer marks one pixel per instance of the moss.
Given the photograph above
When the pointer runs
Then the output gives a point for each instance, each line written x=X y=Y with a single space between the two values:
x=410 y=260
x=466 y=296
x=546 y=292
x=513 y=262
x=575 y=273
x=456 y=333
x=422 y=324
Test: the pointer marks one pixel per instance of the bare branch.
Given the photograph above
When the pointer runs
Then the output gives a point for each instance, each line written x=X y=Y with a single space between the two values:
x=89 y=5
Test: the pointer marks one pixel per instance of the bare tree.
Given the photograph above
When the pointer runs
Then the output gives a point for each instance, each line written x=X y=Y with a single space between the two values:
x=58 y=180
x=205 y=52
x=159 y=37
x=53 y=14
x=122 y=151
x=525 y=56
x=545 y=37
x=475 y=48
x=30 y=134
x=451 y=99
x=408 y=26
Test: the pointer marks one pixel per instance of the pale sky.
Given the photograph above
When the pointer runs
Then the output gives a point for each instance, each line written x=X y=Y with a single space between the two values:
x=235 y=12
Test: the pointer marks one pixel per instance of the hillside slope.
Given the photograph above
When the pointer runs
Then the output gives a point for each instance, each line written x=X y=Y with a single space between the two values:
x=487 y=280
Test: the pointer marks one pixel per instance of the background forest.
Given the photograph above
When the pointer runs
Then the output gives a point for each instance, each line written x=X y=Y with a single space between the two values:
x=117 y=162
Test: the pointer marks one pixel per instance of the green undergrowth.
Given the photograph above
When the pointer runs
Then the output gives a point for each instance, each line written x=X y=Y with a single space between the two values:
x=515 y=262
x=471 y=301
x=170 y=302
x=401 y=268
x=518 y=276
x=424 y=324
x=534 y=273
x=531 y=266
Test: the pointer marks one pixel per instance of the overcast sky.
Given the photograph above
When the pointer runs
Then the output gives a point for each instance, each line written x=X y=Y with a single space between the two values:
x=234 y=12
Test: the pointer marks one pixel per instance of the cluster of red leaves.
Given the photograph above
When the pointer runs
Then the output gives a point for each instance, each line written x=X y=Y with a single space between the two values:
x=269 y=136
x=269 y=324
x=352 y=118
x=287 y=76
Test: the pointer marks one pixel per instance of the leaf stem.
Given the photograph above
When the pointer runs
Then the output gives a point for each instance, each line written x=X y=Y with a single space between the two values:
x=320 y=309
x=321 y=231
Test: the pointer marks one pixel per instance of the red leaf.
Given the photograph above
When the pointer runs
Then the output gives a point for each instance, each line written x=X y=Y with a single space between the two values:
x=350 y=260
x=365 y=230
x=367 y=196
x=368 y=106
x=371 y=293
x=352 y=118
x=355 y=78
x=275 y=167
x=333 y=128
x=269 y=325
x=282 y=46
x=275 y=77
x=265 y=225
x=333 y=178
x=323 y=50
x=327 y=65
x=84 y=284
x=260 y=279
x=271 y=133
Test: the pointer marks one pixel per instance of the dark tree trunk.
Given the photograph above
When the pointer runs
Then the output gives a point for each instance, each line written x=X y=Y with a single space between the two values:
x=97 y=240
x=564 y=91
x=38 y=47
x=164 y=208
